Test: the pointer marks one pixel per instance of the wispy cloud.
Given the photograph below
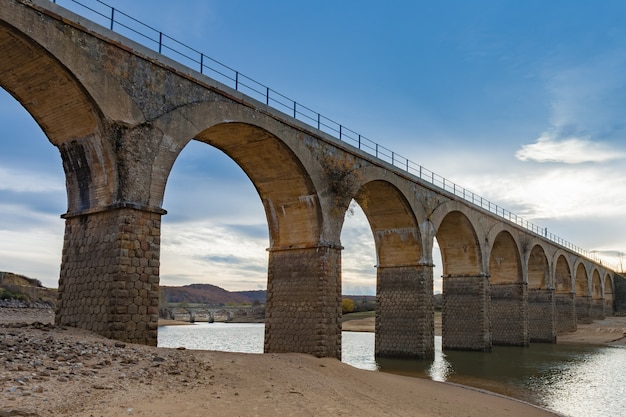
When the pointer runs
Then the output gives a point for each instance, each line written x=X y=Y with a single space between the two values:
x=586 y=117
x=568 y=151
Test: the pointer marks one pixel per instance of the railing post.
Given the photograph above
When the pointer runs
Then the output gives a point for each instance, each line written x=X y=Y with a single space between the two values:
x=267 y=96
x=294 y=109
x=160 y=41
x=377 y=150
x=237 y=80
x=392 y=158
x=112 y=16
x=340 y=132
x=359 y=141
x=318 y=122
x=201 y=62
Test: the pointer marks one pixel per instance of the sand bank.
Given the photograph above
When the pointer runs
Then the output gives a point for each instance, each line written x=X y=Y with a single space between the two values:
x=53 y=371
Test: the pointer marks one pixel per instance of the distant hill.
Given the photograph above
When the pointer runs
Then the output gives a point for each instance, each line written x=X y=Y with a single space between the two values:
x=203 y=293
x=22 y=288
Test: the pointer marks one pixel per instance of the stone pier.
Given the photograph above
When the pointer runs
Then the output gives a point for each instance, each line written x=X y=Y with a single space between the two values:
x=115 y=293
x=465 y=315
x=565 y=312
x=303 y=307
x=583 y=309
x=509 y=314
x=541 y=316
x=404 y=312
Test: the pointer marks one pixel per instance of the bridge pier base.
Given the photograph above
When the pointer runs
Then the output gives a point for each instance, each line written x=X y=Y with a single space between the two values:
x=565 y=313
x=597 y=309
x=608 y=308
x=509 y=314
x=303 y=307
x=465 y=315
x=583 y=309
x=541 y=316
x=404 y=312
x=109 y=280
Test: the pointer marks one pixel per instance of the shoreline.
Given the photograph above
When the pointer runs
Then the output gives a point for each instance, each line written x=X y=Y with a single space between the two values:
x=57 y=371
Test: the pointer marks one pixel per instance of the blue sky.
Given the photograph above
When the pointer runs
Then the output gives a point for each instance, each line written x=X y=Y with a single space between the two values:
x=523 y=103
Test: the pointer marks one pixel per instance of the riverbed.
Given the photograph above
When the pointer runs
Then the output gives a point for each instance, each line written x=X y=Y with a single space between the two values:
x=577 y=380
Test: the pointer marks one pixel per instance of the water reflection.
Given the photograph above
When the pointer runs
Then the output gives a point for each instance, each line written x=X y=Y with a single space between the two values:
x=575 y=380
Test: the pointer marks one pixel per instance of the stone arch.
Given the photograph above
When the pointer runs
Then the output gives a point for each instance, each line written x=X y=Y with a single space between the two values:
x=393 y=224
x=607 y=294
x=285 y=188
x=607 y=288
x=581 y=280
x=508 y=292
x=504 y=261
x=404 y=286
x=582 y=291
x=564 y=296
x=466 y=301
x=596 y=285
x=458 y=241
x=562 y=275
x=66 y=113
x=538 y=269
x=541 y=297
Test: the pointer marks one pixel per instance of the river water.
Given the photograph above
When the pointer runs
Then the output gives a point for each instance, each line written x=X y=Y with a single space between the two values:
x=574 y=380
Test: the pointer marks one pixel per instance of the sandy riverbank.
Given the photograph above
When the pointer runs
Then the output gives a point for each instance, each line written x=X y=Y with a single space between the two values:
x=610 y=331
x=52 y=371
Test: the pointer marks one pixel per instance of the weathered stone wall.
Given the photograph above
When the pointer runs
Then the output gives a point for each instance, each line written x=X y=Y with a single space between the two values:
x=597 y=310
x=465 y=313
x=404 y=312
x=583 y=309
x=619 y=295
x=541 y=316
x=303 y=307
x=565 y=313
x=608 y=308
x=109 y=279
x=509 y=314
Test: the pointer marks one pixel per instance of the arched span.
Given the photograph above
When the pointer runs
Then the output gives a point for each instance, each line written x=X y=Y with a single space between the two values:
x=290 y=201
x=596 y=285
x=460 y=250
x=393 y=224
x=582 y=280
x=65 y=112
x=608 y=288
x=562 y=276
x=504 y=261
x=538 y=269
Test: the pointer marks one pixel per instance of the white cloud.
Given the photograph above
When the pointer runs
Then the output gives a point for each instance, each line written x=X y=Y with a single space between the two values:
x=569 y=151
x=29 y=181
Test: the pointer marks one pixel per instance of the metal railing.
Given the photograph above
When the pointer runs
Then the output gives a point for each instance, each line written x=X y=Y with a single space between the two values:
x=150 y=37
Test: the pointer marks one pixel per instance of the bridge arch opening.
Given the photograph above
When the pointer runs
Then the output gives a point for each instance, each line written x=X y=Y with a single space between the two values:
x=508 y=293
x=608 y=294
x=541 y=300
x=458 y=243
x=582 y=281
x=295 y=291
x=538 y=269
x=404 y=284
x=32 y=196
x=504 y=263
x=562 y=276
x=215 y=234
x=596 y=286
x=465 y=310
x=565 y=296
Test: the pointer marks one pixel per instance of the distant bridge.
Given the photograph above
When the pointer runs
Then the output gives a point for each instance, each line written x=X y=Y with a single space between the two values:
x=121 y=113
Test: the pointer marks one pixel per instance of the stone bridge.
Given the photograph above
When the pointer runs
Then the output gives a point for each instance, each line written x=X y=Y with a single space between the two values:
x=120 y=114
x=212 y=313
